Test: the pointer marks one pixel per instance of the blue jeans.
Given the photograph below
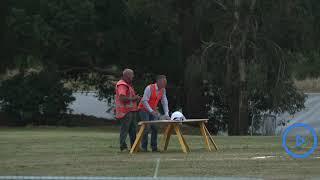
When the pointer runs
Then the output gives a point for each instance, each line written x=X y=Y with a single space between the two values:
x=154 y=131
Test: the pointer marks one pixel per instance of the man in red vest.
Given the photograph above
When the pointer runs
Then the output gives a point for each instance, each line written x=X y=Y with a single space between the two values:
x=126 y=108
x=153 y=93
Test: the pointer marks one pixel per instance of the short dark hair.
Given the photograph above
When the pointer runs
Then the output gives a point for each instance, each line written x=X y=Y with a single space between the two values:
x=160 y=77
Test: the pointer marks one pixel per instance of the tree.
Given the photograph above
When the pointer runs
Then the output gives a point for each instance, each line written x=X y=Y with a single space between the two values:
x=226 y=57
x=34 y=96
x=249 y=54
x=4 y=8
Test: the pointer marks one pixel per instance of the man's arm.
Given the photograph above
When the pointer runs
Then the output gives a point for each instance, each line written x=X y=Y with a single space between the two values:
x=164 y=102
x=126 y=98
x=146 y=98
x=122 y=89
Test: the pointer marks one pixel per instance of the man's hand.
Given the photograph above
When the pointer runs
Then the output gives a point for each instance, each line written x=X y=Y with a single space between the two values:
x=155 y=113
x=136 y=98
x=127 y=99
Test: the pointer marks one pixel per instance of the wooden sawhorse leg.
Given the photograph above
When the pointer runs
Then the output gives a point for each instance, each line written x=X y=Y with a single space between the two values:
x=167 y=134
x=136 y=145
x=211 y=139
x=166 y=137
x=208 y=140
x=183 y=143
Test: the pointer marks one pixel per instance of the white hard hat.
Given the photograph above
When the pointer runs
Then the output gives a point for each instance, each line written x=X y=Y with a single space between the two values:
x=177 y=116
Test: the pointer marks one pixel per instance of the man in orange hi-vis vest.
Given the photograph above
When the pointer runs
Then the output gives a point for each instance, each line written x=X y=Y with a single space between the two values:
x=126 y=108
x=153 y=93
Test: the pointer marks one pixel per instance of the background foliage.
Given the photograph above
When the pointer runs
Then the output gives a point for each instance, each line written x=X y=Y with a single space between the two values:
x=198 y=44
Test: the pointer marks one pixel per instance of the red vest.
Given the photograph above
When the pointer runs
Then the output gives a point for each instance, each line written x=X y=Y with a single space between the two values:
x=122 y=108
x=154 y=98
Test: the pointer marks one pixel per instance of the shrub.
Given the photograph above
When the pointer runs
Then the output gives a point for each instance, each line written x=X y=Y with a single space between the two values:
x=33 y=97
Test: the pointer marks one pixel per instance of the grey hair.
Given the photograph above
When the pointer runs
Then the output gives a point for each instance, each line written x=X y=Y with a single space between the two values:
x=127 y=71
x=159 y=77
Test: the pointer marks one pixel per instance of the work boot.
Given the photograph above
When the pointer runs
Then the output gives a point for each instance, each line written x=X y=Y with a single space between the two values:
x=155 y=150
x=124 y=150
x=143 y=150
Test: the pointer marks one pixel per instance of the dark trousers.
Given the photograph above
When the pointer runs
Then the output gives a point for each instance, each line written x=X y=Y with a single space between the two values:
x=144 y=116
x=128 y=124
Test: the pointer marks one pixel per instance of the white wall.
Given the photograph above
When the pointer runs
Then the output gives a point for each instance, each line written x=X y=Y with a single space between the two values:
x=88 y=104
x=310 y=115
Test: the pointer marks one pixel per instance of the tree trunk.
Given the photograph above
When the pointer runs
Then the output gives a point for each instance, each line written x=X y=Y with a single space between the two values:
x=236 y=85
x=194 y=102
x=4 y=8
x=237 y=97
x=238 y=100
x=243 y=99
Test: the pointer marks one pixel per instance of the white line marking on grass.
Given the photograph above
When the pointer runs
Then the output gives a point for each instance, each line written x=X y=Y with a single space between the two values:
x=263 y=157
x=116 y=178
x=156 y=169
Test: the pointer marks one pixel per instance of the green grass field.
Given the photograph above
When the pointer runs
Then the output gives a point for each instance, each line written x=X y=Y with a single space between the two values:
x=95 y=152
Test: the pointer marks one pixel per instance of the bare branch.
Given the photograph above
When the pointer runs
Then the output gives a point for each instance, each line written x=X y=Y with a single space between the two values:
x=218 y=2
x=110 y=71
x=204 y=53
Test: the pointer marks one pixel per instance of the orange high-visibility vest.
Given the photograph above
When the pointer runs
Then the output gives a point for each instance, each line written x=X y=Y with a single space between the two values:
x=122 y=108
x=154 y=98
